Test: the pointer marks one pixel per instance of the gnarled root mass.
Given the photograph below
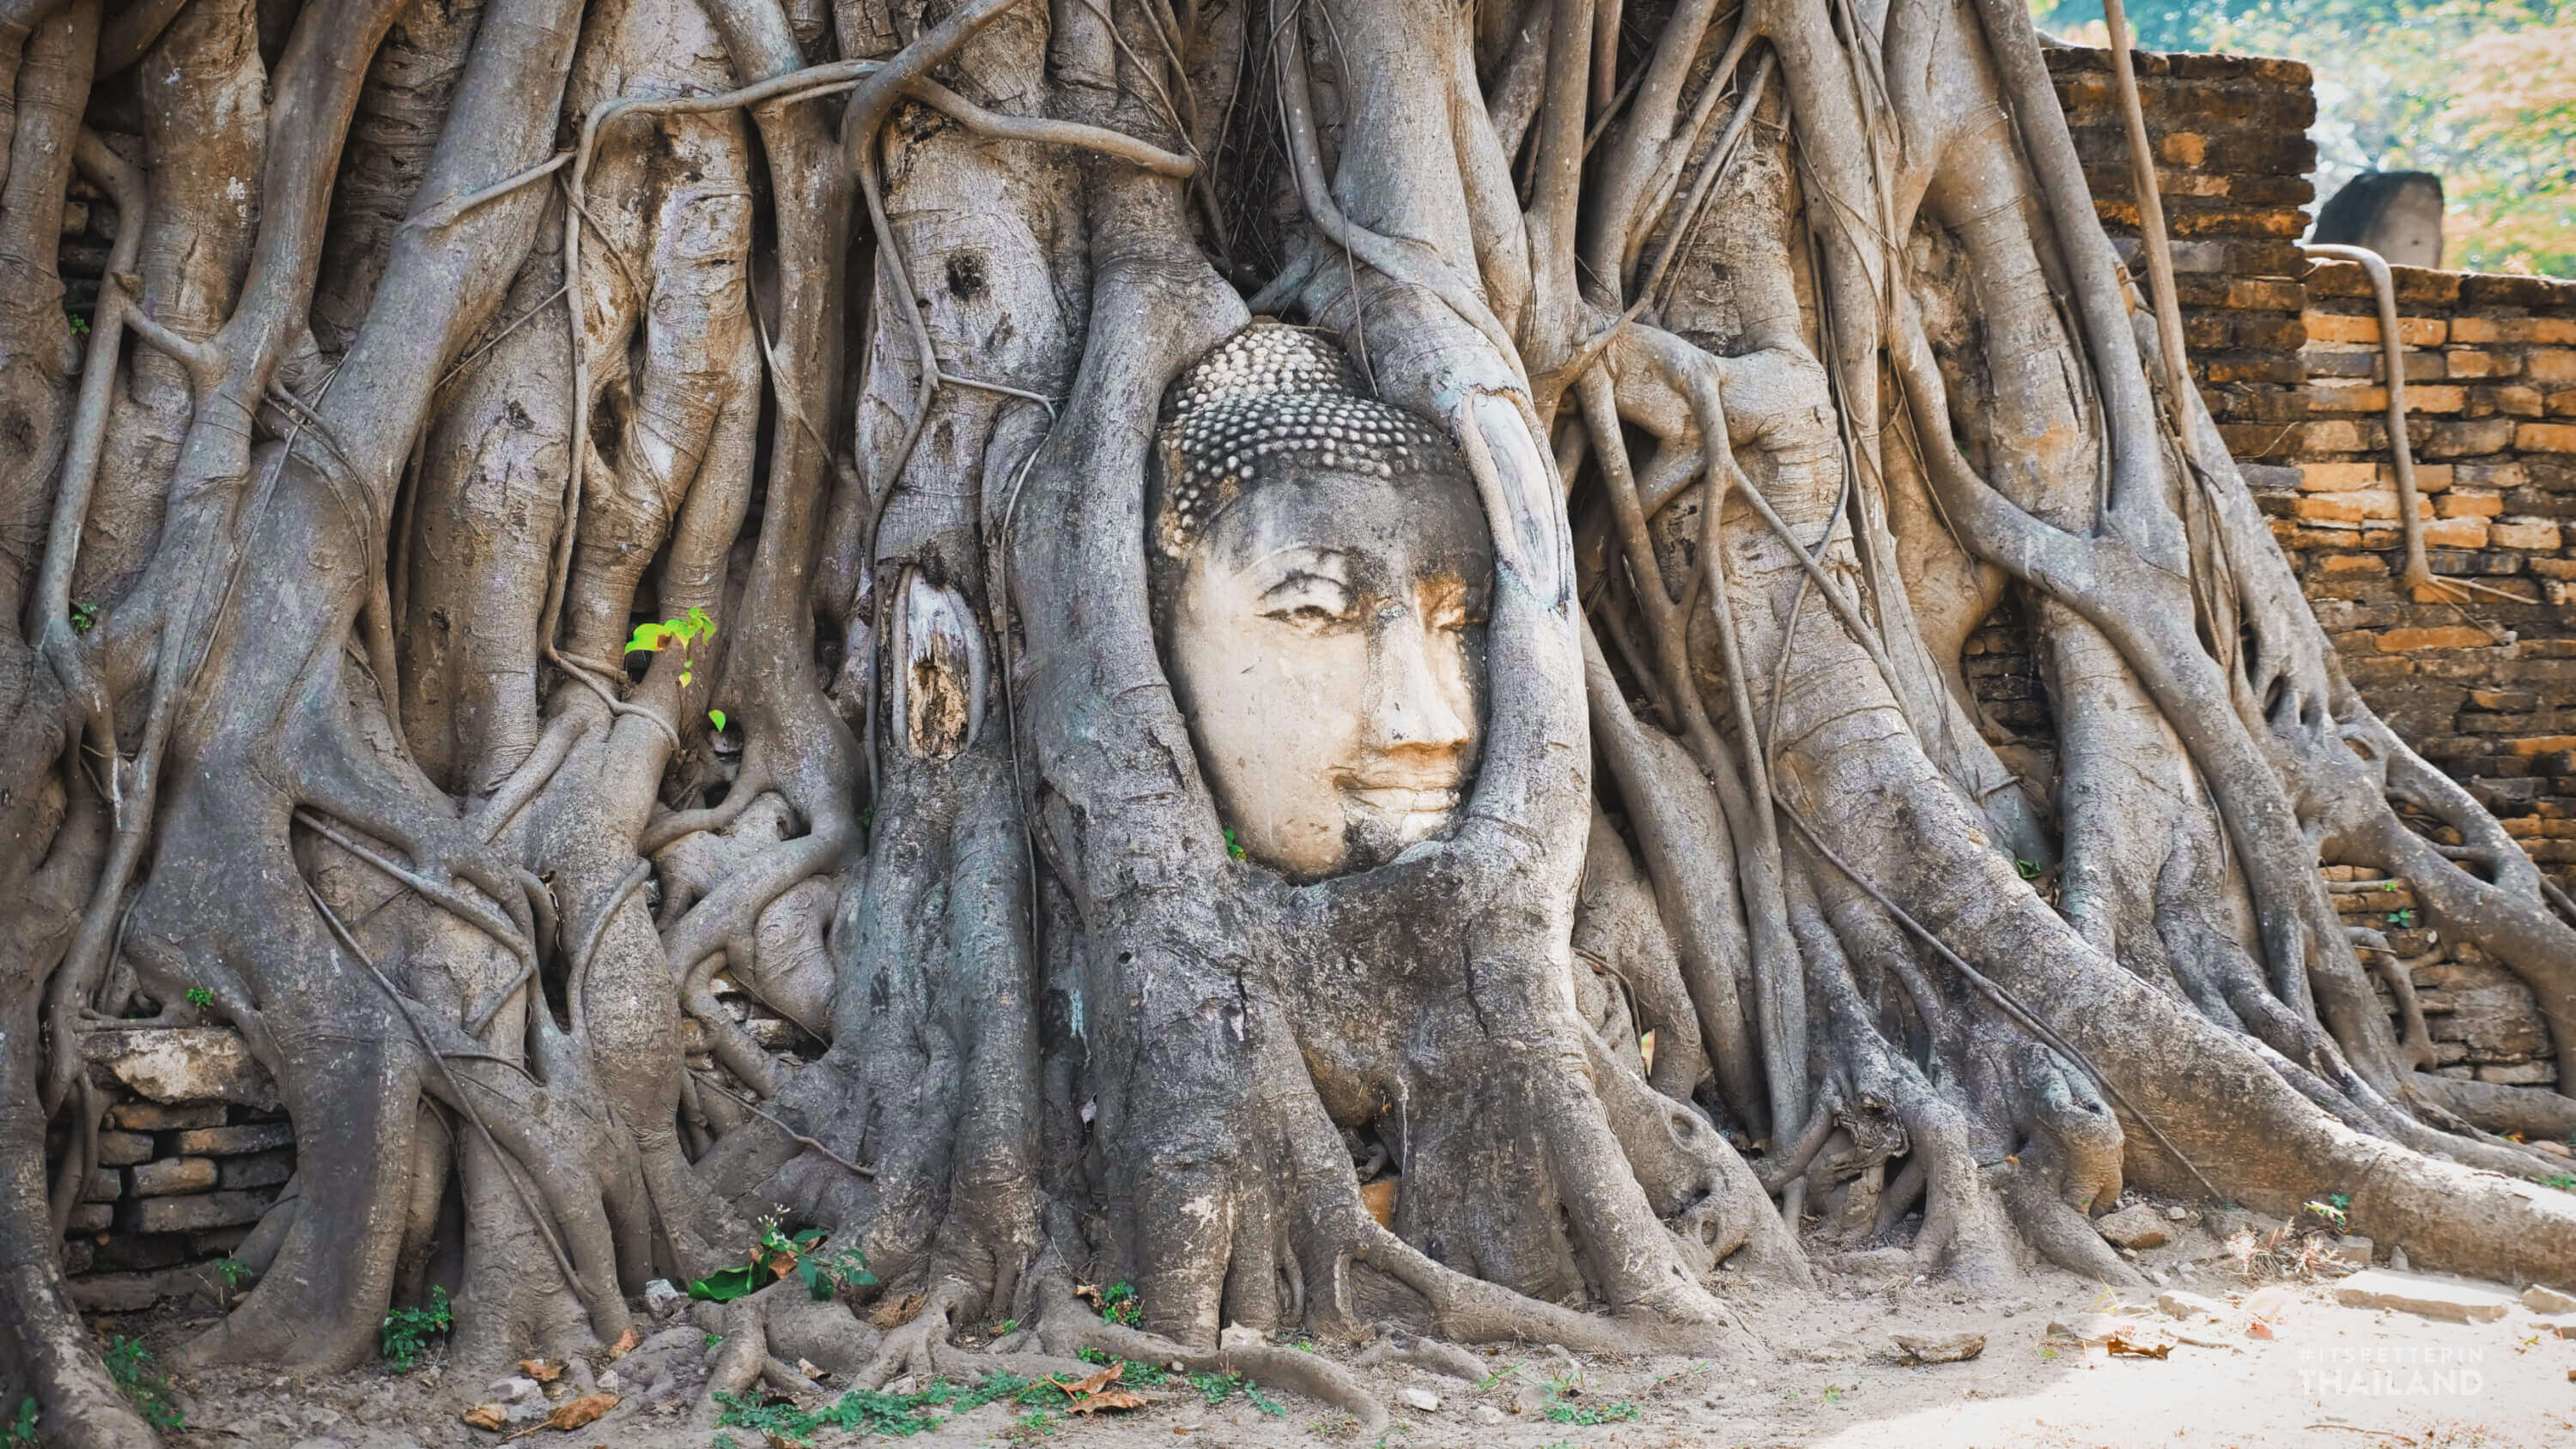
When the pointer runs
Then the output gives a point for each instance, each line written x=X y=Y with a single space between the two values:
x=443 y=344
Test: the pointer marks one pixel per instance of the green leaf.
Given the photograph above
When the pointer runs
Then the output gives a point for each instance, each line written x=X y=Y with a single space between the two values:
x=724 y=1285
x=684 y=676
x=716 y=717
x=647 y=637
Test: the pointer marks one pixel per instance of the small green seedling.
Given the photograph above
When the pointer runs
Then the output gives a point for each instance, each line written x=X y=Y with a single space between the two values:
x=777 y=1255
x=689 y=629
x=2029 y=869
x=129 y=1364
x=407 y=1331
x=1119 y=1305
x=2402 y=918
x=80 y=324
x=200 y=996
x=1233 y=847
x=233 y=1271
x=84 y=618
x=20 y=1431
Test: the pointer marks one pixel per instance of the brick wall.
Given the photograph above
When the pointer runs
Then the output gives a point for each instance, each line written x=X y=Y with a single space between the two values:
x=2287 y=355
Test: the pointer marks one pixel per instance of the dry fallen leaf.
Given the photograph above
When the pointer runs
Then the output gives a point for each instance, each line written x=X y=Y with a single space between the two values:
x=1093 y=1384
x=487 y=1416
x=624 y=1345
x=808 y=1369
x=896 y=1312
x=1089 y=1292
x=540 y=1370
x=572 y=1414
x=2124 y=1346
x=1094 y=1394
x=1107 y=1399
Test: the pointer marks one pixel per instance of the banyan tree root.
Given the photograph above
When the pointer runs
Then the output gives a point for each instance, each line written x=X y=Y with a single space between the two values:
x=484 y=608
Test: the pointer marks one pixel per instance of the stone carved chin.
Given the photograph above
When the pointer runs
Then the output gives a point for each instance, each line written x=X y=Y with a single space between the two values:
x=1321 y=564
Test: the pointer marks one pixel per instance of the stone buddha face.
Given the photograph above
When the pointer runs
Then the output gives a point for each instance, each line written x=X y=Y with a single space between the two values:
x=1321 y=568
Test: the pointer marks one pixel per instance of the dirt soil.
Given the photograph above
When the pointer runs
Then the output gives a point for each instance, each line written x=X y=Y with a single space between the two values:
x=1812 y=1370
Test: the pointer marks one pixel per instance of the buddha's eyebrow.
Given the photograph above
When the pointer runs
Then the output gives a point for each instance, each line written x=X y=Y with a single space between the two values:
x=1297 y=577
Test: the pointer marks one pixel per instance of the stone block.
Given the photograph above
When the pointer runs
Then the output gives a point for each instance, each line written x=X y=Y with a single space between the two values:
x=2138 y=1226
x=233 y=1141
x=2548 y=1300
x=192 y=1064
x=172 y=1176
x=2440 y=636
x=2545 y=437
x=2451 y=1300
x=2337 y=477
x=2538 y=535
x=194 y=1214
x=130 y=1250
x=123 y=1149
x=2490 y=329
x=164 y=1116
x=2477 y=436
x=91 y=1217
x=2519 y=1074
x=2464 y=362
x=2553 y=364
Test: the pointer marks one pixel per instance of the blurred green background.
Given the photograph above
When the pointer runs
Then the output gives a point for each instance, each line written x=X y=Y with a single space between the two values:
x=2482 y=95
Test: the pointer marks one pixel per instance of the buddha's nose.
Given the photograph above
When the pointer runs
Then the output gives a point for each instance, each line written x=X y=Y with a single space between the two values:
x=1410 y=707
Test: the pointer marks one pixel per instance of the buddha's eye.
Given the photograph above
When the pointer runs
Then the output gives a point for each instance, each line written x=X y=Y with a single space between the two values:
x=1311 y=602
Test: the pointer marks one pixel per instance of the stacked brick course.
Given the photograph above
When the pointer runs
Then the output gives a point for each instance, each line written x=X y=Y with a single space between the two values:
x=2230 y=137
x=193 y=1150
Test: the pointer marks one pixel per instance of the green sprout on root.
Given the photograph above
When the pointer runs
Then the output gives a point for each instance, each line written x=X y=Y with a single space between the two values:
x=691 y=628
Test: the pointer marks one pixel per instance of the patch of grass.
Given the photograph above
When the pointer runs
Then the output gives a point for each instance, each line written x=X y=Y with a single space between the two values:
x=1587 y=1415
x=872 y=1411
x=2563 y=1181
x=1032 y=1426
x=407 y=1331
x=129 y=1363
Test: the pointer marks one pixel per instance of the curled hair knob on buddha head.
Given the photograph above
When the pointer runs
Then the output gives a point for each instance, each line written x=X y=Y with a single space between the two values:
x=1270 y=401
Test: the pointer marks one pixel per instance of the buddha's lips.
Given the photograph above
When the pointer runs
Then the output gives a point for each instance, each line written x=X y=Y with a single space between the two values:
x=1406 y=799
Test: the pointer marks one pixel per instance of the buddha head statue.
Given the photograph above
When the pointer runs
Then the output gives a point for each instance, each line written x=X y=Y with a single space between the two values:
x=1320 y=567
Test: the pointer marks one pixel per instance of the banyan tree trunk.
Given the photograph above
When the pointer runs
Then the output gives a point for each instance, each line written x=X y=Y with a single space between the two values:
x=559 y=507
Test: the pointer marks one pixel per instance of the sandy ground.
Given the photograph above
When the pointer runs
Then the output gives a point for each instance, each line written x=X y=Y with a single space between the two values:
x=1819 y=1371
